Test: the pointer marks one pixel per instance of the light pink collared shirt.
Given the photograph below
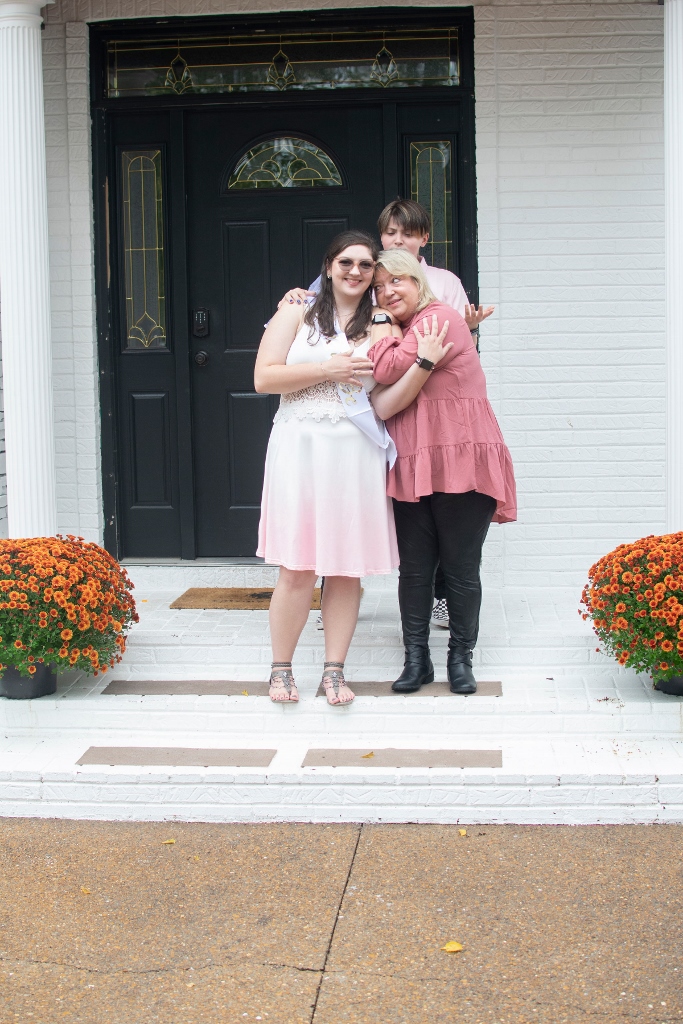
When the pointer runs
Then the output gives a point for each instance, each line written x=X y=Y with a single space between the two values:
x=446 y=287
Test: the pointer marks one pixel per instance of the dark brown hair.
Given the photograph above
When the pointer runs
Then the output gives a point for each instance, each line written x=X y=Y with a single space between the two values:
x=408 y=214
x=323 y=310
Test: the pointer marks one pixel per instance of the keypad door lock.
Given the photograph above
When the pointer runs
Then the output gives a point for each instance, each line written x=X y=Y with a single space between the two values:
x=200 y=322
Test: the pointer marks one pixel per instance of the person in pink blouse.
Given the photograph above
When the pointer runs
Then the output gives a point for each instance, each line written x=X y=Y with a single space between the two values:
x=453 y=475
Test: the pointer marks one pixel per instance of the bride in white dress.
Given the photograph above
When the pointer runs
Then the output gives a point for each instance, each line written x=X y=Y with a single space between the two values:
x=325 y=510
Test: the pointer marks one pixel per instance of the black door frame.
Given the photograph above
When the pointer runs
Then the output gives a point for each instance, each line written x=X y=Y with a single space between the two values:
x=102 y=111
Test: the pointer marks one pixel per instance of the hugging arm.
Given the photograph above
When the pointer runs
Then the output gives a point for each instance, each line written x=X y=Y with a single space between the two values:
x=388 y=400
x=272 y=376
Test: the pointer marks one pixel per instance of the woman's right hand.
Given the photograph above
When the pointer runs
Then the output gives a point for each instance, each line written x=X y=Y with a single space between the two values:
x=430 y=344
x=296 y=296
x=347 y=369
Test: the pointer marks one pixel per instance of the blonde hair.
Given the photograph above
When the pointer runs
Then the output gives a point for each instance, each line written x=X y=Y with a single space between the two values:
x=400 y=263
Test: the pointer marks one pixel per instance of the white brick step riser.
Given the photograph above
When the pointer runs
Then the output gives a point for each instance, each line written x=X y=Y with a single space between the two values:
x=188 y=798
x=241 y=660
x=247 y=721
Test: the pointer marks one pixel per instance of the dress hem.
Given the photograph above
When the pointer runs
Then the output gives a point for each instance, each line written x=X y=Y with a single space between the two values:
x=359 y=575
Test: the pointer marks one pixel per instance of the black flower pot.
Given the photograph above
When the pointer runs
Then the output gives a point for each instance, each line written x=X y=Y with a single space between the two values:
x=674 y=686
x=18 y=687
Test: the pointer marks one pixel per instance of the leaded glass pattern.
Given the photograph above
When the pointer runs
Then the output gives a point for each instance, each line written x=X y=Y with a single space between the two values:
x=430 y=185
x=143 y=248
x=284 y=162
x=279 y=63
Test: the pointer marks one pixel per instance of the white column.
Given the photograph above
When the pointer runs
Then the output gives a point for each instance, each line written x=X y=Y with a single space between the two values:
x=24 y=276
x=673 y=214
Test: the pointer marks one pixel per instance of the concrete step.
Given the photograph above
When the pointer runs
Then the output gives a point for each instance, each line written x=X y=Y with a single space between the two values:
x=544 y=783
x=625 y=707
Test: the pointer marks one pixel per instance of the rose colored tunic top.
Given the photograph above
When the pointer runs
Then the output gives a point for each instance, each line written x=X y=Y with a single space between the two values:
x=448 y=439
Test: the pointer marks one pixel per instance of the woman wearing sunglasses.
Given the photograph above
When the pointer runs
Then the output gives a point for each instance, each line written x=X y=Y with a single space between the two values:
x=325 y=510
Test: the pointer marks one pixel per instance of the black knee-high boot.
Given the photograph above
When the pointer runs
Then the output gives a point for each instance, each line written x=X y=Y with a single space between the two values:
x=418 y=552
x=463 y=521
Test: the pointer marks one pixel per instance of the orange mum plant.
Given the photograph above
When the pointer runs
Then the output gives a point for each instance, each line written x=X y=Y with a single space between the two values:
x=64 y=602
x=634 y=596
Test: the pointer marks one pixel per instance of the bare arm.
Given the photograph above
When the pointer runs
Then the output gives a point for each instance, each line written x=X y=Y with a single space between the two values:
x=394 y=398
x=273 y=377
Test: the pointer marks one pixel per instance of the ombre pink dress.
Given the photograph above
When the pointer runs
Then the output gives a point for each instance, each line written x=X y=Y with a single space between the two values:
x=448 y=439
x=325 y=506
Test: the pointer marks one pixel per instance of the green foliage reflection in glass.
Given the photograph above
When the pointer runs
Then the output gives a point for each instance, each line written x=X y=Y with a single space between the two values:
x=285 y=163
x=143 y=249
x=430 y=185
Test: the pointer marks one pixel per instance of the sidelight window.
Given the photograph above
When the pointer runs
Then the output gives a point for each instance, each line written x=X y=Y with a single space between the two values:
x=430 y=184
x=143 y=248
x=285 y=162
x=294 y=61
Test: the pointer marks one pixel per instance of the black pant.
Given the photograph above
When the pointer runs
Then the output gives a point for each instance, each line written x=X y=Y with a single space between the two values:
x=450 y=529
x=439 y=585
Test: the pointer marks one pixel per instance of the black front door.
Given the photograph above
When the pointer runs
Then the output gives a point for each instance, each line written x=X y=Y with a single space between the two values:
x=208 y=208
x=248 y=245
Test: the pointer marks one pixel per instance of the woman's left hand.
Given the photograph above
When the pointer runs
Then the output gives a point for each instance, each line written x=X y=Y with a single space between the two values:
x=430 y=344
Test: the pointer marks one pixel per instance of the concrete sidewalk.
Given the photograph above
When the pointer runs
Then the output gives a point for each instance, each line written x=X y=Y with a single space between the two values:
x=107 y=923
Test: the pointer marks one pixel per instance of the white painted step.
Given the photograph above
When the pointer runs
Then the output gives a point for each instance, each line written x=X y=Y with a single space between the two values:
x=545 y=783
x=563 y=708
x=519 y=629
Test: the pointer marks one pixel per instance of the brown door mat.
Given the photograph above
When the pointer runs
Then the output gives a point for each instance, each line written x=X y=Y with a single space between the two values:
x=178 y=756
x=191 y=687
x=233 y=598
x=391 y=758
x=484 y=689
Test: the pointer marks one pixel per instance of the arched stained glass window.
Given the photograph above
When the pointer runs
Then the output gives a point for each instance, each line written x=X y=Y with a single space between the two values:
x=285 y=162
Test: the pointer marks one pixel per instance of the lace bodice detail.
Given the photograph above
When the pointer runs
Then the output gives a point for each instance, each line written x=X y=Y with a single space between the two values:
x=320 y=400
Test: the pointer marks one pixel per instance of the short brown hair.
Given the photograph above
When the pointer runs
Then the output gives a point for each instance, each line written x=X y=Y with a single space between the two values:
x=408 y=214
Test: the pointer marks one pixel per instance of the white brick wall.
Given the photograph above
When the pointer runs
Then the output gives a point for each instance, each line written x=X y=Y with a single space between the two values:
x=569 y=164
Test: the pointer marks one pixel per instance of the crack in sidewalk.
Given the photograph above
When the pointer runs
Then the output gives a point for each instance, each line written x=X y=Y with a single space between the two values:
x=334 y=926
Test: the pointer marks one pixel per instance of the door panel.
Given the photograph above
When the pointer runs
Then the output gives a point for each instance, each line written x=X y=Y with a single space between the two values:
x=150 y=450
x=247 y=287
x=142 y=337
x=317 y=235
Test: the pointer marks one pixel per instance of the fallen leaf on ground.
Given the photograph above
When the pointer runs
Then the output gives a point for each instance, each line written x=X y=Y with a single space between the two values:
x=245 y=693
x=195 y=857
x=190 y=984
x=85 y=890
x=462 y=831
x=371 y=754
x=168 y=842
x=452 y=947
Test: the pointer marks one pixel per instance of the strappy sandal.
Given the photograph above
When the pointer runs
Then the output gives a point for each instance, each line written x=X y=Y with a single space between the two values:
x=333 y=681
x=282 y=685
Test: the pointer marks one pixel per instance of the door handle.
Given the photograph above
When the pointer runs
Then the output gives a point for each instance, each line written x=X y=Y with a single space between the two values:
x=201 y=358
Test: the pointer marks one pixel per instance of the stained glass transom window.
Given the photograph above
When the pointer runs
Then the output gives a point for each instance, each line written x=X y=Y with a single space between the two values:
x=278 y=63
x=285 y=162
x=143 y=248
x=430 y=185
